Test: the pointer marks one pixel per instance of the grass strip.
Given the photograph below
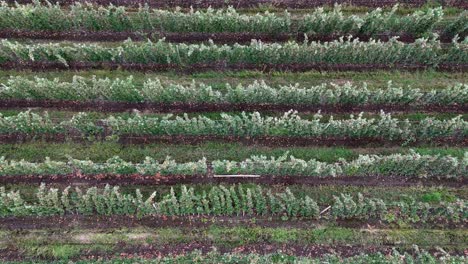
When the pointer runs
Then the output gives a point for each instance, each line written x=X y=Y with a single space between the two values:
x=102 y=151
x=50 y=244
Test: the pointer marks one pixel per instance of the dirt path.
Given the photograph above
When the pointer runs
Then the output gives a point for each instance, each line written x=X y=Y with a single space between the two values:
x=110 y=106
x=136 y=179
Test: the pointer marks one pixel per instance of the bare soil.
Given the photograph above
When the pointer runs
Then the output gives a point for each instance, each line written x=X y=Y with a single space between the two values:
x=224 y=66
x=190 y=222
x=283 y=140
x=136 y=179
x=457 y=141
x=126 y=251
x=194 y=37
x=114 y=106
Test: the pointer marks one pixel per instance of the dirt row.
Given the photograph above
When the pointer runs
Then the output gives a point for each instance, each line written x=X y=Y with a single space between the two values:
x=224 y=66
x=191 y=222
x=263 y=248
x=283 y=141
x=194 y=37
x=148 y=251
x=275 y=141
x=116 y=221
x=257 y=3
x=138 y=179
x=110 y=106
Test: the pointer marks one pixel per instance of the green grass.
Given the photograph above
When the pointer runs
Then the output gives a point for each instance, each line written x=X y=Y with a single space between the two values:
x=60 y=244
x=425 y=80
x=57 y=251
x=101 y=151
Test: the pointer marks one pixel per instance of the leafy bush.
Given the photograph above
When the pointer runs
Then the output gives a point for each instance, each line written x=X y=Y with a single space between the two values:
x=422 y=52
x=152 y=90
x=220 y=201
x=371 y=24
x=458 y=27
x=28 y=123
x=292 y=125
x=246 y=124
x=38 y=16
x=109 y=201
x=405 y=165
x=114 y=165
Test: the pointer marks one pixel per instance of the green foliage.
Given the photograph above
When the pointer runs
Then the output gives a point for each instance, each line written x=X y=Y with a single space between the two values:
x=114 y=165
x=346 y=207
x=79 y=16
x=417 y=23
x=432 y=197
x=415 y=165
x=254 y=201
x=371 y=24
x=425 y=52
x=28 y=123
x=404 y=165
x=291 y=124
x=245 y=124
x=214 y=257
x=458 y=27
x=110 y=201
x=152 y=90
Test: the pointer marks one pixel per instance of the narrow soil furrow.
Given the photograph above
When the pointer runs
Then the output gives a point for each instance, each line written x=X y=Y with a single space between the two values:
x=194 y=37
x=276 y=141
x=261 y=248
x=152 y=251
x=224 y=66
x=282 y=141
x=192 y=222
x=114 y=106
x=113 y=179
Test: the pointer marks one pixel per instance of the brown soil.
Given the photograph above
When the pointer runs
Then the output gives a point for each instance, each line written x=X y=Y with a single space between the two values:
x=127 y=251
x=257 y=140
x=281 y=140
x=223 y=66
x=190 y=222
x=112 y=179
x=257 y=248
x=194 y=37
x=110 y=106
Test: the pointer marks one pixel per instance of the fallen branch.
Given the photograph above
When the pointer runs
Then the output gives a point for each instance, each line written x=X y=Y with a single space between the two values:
x=237 y=176
x=325 y=210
